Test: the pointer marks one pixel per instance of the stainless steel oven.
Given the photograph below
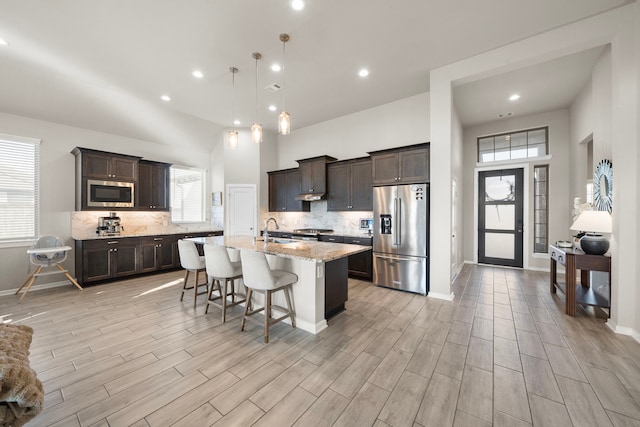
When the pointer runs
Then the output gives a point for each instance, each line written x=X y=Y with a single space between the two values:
x=110 y=194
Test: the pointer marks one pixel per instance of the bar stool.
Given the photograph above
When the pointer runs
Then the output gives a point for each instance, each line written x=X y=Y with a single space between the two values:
x=191 y=261
x=222 y=271
x=258 y=276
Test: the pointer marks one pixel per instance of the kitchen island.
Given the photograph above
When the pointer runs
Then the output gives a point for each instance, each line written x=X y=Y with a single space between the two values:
x=321 y=290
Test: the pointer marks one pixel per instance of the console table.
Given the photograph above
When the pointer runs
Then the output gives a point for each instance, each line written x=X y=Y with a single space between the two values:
x=575 y=259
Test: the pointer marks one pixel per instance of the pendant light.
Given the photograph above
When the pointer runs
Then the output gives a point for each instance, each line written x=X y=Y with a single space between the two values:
x=233 y=134
x=256 y=128
x=284 y=119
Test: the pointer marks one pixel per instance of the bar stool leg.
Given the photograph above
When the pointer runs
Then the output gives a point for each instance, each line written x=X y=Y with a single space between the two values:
x=247 y=307
x=184 y=286
x=289 y=305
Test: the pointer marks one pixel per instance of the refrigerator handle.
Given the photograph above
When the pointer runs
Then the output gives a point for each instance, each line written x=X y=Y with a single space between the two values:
x=399 y=216
x=397 y=219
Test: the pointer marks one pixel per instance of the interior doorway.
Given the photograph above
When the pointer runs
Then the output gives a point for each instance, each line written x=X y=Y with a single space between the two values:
x=500 y=217
x=241 y=210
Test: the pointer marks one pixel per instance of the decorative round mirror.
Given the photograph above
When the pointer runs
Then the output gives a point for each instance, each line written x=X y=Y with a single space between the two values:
x=603 y=186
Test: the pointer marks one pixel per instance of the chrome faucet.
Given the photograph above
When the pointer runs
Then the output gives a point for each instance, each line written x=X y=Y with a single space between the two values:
x=265 y=232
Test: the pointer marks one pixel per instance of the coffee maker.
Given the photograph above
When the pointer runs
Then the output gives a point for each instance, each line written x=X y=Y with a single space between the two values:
x=109 y=225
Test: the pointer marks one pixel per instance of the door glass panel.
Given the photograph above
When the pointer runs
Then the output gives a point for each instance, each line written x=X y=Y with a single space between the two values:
x=500 y=188
x=500 y=217
x=498 y=245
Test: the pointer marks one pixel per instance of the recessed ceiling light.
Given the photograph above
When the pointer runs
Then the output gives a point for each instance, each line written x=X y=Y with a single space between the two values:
x=276 y=68
x=514 y=97
x=363 y=72
x=3 y=42
x=272 y=108
x=236 y=122
x=197 y=74
x=297 y=4
x=165 y=98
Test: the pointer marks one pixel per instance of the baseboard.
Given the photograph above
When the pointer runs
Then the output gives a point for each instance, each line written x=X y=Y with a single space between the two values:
x=446 y=297
x=37 y=287
x=623 y=330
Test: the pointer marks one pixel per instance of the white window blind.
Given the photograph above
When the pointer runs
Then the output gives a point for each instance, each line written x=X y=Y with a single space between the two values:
x=187 y=194
x=19 y=182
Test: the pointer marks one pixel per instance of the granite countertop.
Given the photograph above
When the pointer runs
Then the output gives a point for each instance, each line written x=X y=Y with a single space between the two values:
x=94 y=236
x=300 y=249
x=330 y=233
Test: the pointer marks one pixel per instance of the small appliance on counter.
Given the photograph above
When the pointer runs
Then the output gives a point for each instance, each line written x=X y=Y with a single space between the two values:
x=109 y=225
x=366 y=225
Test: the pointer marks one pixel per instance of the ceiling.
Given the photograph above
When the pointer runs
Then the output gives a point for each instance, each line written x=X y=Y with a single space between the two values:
x=103 y=65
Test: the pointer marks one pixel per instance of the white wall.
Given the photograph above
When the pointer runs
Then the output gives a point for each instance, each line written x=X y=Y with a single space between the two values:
x=560 y=199
x=618 y=27
x=57 y=181
x=403 y=122
x=581 y=131
x=458 y=169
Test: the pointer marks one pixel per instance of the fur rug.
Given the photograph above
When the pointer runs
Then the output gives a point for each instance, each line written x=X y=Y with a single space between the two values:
x=21 y=393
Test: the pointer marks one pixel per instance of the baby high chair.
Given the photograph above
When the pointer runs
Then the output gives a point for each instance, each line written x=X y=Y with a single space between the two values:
x=47 y=252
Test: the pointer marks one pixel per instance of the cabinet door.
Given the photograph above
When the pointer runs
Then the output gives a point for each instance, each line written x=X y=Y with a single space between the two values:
x=361 y=187
x=126 y=258
x=385 y=168
x=414 y=166
x=96 y=166
x=148 y=255
x=339 y=193
x=96 y=262
x=306 y=171
x=160 y=187
x=124 y=169
x=166 y=255
x=144 y=187
x=293 y=189
x=314 y=175
x=277 y=192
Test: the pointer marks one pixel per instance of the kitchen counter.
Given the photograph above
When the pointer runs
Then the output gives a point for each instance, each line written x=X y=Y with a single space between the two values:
x=299 y=249
x=95 y=236
x=322 y=269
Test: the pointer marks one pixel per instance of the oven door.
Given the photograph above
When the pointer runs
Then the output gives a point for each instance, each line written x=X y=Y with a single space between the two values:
x=109 y=194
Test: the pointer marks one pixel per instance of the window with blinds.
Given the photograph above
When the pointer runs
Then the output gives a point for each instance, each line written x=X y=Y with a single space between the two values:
x=19 y=182
x=187 y=194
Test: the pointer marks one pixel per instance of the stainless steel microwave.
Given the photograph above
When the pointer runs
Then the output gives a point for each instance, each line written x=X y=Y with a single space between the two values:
x=110 y=194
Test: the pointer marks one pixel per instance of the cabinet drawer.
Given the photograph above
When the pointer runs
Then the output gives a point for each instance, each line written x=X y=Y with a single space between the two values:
x=364 y=241
x=332 y=239
x=558 y=256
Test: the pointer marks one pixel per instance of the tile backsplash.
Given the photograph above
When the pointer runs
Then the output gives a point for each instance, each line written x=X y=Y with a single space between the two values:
x=84 y=224
x=346 y=223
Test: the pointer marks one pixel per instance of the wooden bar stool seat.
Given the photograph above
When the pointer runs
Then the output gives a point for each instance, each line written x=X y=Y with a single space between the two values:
x=259 y=277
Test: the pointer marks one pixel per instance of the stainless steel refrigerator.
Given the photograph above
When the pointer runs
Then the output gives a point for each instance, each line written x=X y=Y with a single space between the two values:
x=401 y=237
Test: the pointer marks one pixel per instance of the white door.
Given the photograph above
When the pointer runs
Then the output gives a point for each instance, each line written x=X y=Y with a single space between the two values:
x=241 y=210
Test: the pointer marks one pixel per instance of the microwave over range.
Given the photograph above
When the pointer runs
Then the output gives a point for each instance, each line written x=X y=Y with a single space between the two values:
x=110 y=194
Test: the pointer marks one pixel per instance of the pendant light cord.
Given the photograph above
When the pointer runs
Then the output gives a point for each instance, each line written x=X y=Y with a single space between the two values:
x=284 y=86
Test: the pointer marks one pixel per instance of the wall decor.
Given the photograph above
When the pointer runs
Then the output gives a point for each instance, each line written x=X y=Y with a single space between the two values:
x=603 y=186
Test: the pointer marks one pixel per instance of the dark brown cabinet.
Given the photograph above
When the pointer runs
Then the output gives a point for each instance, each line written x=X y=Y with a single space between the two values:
x=106 y=258
x=360 y=266
x=349 y=186
x=284 y=187
x=158 y=253
x=153 y=185
x=108 y=166
x=314 y=174
x=404 y=165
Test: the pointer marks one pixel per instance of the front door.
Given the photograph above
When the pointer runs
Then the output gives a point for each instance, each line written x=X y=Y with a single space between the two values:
x=500 y=217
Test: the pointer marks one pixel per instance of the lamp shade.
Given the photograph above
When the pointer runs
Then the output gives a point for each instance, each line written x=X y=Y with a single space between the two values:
x=593 y=222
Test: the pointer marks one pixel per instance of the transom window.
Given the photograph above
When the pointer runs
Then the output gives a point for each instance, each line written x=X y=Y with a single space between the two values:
x=514 y=145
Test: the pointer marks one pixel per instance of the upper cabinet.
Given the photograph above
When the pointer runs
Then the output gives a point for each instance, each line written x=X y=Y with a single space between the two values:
x=349 y=185
x=153 y=185
x=107 y=166
x=404 y=165
x=284 y=187
x=314 y=174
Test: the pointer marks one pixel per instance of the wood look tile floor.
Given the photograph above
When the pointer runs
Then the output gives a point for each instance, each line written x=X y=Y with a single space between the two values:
x=502 y=353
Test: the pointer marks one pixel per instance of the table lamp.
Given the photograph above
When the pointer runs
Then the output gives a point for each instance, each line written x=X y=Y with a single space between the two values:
x=593 y=223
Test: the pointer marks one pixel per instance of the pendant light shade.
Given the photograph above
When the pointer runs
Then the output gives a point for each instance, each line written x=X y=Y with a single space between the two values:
x=284 y=119
x=232 y=135
x=256 y=128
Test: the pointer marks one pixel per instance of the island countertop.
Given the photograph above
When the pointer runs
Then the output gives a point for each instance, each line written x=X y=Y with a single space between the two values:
x=299 y=249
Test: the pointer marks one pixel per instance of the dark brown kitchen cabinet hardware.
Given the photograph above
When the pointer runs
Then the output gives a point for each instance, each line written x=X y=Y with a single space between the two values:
x=349 y=186
x=284 y=186
x=97 y=164
x=153 y=186
x=404 y=165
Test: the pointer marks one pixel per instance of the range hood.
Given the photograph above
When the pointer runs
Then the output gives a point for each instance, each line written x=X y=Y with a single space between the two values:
x=311 y=197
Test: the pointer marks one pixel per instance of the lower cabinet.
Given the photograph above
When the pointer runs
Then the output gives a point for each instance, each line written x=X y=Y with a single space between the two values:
x=108 y=259
x=158 y=253
x=360 y=265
